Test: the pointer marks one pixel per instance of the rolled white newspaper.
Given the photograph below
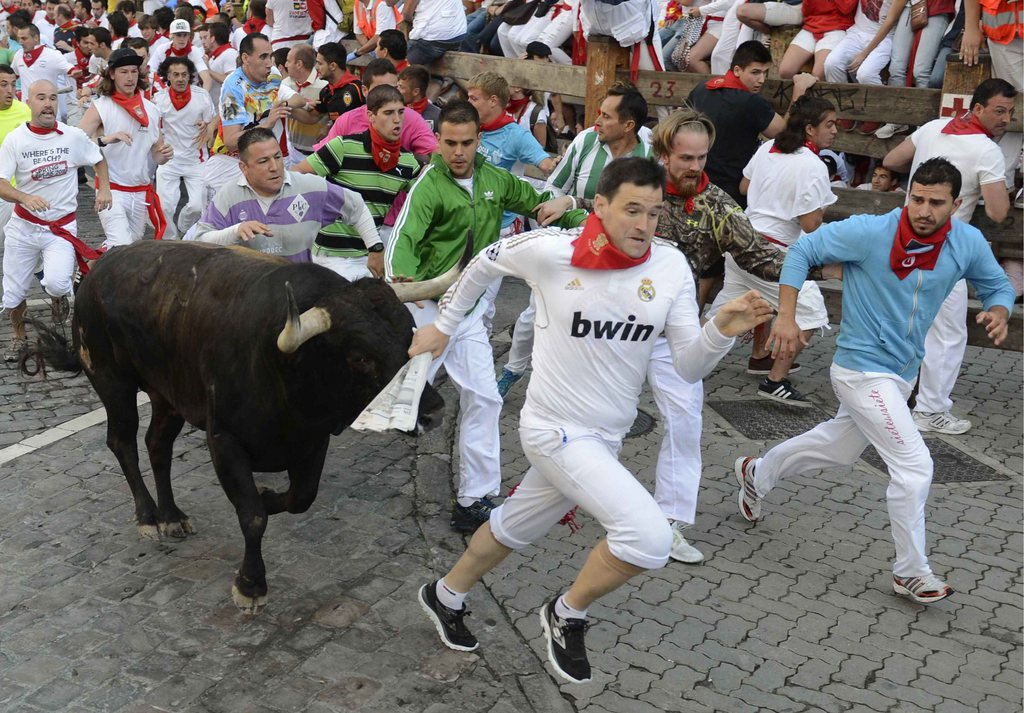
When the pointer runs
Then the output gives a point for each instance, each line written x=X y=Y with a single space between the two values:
x=398 y=404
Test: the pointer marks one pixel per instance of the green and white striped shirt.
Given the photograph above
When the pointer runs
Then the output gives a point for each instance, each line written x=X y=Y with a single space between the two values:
x=579 y=170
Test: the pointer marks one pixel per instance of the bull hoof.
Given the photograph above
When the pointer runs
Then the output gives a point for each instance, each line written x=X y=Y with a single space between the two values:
x=248 y=605
x=149 y=532
x=176 y=529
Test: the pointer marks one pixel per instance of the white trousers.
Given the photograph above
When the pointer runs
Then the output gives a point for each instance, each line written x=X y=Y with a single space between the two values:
x=556 y=33
x=571 y=466
x=677 y=477
x=24 y=244
x=351 y=268
x=944 y=347
x=733 y=34
x=521 y=352
x=6 y=211
x=870 y=71
x=168 y=186
x=1008 y=61
x=469 y=362
x=124 y=221
x=219 y=170
x=872 y=409
x=514 y=38
x=810 y=305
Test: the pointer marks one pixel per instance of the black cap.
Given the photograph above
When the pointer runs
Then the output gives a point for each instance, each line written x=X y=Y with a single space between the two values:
x=537 y=49
x=123 y=57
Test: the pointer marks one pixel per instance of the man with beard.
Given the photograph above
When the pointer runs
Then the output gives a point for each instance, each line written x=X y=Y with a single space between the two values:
x=42 y=157
x=373 y=165
x=187 y=111
x=127 y=127
x=787 y=189
x=897 y=270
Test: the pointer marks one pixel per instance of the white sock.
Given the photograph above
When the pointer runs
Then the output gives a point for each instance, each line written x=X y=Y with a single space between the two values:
x=448 y=596
x=564 y=611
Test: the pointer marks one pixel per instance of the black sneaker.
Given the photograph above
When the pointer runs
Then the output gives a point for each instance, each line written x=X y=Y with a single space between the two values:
x=566 y=650
x=448 y=622
x=467 y=519
x=783 y=392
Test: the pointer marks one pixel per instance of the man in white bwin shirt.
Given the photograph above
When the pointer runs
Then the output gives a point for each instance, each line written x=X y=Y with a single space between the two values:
x=605 y=291
x=43 y=156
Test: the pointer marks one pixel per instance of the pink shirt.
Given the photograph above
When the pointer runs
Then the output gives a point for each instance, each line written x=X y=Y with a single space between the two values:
x=416 y=134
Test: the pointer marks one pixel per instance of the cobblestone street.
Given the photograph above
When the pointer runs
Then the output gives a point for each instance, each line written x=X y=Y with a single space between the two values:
x=794 y=613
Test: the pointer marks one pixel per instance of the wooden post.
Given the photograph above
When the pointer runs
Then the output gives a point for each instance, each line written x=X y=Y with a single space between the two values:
x=604 y=56
x=781 y=38
x=960 y=81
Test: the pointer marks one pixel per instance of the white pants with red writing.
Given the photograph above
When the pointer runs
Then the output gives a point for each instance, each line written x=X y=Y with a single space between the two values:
x=872 y=409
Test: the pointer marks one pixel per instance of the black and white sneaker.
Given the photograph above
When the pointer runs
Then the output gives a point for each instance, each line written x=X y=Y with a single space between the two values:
x=448 y=622
x=468 y=518
x=783 y=392
x=566 y=649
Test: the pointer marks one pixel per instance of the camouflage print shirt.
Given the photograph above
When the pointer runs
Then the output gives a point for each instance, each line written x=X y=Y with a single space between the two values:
x=717 y=226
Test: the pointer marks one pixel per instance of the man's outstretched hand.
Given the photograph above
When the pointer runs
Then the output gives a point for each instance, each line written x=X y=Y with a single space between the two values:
x=740 y=315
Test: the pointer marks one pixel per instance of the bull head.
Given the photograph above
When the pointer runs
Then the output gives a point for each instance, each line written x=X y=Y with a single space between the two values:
x=300 y=328
x=433 y=288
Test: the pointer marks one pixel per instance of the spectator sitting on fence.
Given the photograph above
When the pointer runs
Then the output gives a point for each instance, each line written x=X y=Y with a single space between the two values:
x=692 y=54
x=825 y=25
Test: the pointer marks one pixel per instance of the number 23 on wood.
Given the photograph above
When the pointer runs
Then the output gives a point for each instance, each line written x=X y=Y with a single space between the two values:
x=667 y=92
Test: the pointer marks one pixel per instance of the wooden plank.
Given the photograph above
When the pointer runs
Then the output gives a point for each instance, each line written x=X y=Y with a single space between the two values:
x=976 y=336
x=870 y=145
x=604 y=56
x=854 y=202
x=539 y=76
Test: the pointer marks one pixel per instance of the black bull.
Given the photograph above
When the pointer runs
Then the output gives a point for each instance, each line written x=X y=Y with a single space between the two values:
x=217 y=339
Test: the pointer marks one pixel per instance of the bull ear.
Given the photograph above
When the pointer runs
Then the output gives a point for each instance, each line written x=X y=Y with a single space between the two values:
x=300 y=328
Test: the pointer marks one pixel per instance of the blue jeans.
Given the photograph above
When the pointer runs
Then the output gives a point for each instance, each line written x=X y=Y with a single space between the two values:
x=426 y=51
x=927 y=49
x=475 y=24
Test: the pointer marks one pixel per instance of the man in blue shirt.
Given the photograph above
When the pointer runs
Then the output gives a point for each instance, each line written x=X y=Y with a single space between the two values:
x=897 y=270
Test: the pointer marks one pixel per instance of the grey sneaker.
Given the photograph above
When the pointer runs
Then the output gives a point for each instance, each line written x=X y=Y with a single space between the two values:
x=944 y=422
x=683 y=551
x=16 y=350
x=923 y=590
x=887 y=131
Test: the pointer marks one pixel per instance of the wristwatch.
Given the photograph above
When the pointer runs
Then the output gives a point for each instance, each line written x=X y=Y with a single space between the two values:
x=376 y=248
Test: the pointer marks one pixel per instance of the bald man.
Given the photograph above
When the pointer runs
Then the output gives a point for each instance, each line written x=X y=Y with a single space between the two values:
x=43 y=156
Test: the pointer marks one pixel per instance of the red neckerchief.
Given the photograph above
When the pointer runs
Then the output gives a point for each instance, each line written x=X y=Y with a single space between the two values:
x=385 y=153
x=729 y=81
x=504 y=120
x=81 y=58
x=69 y=25
x=40 y=131
x=133 y=105
x=172 y=51
x=220 y=50
x=419 y=106
x=966 y=124
x=180 y=101
x=133 y=23
x=560 y=8
x=157 y=36
x=11 y=9
x=594 y=251
x=346 y=78
x=31 y=57
x=701 y=185
x=810 y=145
x=52 y=22
x=912 y=252
x=515 y=106
x=401 y=66
x=254 y=24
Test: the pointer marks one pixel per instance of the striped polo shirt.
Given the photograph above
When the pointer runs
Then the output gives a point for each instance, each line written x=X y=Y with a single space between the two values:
x=347 y=161
x=579 y=170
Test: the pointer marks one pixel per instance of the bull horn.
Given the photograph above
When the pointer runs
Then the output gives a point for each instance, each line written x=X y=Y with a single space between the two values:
x=435 y=287
x=300 y=328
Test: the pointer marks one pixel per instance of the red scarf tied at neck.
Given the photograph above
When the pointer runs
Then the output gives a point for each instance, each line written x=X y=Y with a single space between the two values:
x=504 y=120
x=419 y=106
x=180 y=101
x=220 y=50
x=385 y=153
x=728 y=81
x=173 y=51
x=133 y=105
x=593 y=250
x=40 y=131
x=809 y=145
x=965 y=125
x=515 y=106
x=701 y=185
x=912 y=252
x=31 y=57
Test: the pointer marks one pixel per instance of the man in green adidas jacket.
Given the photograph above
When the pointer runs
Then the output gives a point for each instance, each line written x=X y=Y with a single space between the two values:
x=459 y=193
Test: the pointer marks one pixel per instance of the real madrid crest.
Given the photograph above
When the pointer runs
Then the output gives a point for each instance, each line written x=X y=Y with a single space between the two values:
x=599 y=242
x=645 y=291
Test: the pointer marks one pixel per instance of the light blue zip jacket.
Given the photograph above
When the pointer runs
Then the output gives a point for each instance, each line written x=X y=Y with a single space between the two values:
x=885 y=319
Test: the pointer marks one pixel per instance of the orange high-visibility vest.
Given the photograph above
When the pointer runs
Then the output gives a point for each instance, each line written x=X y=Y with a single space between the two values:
x=366 y=19
x=1001 y=20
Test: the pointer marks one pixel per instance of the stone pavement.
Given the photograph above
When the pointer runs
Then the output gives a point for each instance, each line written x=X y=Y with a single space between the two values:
x=794 y=613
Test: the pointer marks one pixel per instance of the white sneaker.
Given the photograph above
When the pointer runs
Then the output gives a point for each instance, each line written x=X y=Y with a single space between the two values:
x=887 y=131
x=945 y=423
x=683 y=551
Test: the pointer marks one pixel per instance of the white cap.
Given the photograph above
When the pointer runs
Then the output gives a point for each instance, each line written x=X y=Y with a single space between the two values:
x=180 y=26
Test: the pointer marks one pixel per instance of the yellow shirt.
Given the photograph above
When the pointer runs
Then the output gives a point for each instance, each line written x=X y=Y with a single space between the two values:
x=12 y=118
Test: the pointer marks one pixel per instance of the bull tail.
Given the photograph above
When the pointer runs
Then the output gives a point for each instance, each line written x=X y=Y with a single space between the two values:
x=52 y=349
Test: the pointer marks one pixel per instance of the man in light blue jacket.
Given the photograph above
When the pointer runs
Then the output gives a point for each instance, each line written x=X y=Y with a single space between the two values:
x=897 y=270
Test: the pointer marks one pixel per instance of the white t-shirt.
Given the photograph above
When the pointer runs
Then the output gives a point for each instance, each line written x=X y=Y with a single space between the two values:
x=542 y=115
x=46 y=30
x=160 y=44
x=47 y=165
x=291 y=20
x=180 y=126
x=782 y=188
x=237 y=35
x=870 y=15
x=385 y=19
x=977 y=157
x=596 y=329
x=438 y=20
x=51 y=65
x=157 y=56
x=129 y=165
